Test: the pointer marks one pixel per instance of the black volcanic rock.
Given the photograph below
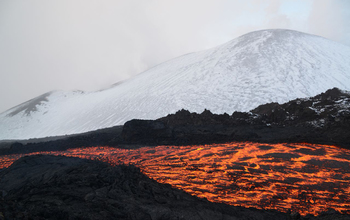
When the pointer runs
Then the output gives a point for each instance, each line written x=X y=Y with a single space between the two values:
x=142 y=130
x=57 y=187
x=317 y=111
x=103 y=137
x=323 y=119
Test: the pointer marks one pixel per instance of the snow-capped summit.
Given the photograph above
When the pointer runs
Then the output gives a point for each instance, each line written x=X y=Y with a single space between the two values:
x=256 y=68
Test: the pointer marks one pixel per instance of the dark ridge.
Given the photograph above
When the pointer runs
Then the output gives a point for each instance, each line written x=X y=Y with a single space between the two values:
x=29 y=106
x=102 y=137
x=323 y=119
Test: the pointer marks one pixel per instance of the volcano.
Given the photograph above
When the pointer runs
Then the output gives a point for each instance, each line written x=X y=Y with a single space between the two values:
x=254 y=69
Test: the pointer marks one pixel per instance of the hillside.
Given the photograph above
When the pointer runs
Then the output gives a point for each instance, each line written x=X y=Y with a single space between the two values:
x=256 y=68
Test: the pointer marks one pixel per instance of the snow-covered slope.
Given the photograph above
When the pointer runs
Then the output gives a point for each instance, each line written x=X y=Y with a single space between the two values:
x=256 y=68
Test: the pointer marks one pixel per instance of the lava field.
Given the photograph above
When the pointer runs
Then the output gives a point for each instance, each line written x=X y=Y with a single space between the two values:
x=305 y=178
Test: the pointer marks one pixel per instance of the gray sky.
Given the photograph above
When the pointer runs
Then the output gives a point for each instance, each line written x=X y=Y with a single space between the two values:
x=91 y=44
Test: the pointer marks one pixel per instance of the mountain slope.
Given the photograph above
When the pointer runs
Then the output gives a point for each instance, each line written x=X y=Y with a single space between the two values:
x=256 y=68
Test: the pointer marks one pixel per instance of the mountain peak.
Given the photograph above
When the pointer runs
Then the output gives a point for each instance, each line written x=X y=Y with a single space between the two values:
x=256 y=68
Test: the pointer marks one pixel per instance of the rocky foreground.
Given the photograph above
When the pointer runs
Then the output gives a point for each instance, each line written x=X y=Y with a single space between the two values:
x=57 y=187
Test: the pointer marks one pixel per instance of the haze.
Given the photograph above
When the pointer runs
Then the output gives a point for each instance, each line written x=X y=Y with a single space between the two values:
x=91 y=44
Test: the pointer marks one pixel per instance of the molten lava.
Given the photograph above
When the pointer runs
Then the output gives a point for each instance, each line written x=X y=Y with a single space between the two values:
x=301 y=177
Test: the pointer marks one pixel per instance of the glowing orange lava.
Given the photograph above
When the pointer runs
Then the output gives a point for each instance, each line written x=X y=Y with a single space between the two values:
x=302 y=177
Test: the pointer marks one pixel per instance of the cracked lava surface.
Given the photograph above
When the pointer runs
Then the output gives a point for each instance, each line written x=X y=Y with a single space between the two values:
x=306 y=178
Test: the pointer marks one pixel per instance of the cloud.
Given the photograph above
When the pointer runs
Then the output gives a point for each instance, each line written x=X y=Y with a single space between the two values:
x=331 y=19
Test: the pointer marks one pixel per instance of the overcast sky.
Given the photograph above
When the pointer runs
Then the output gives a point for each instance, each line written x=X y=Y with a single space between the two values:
x=91 y=44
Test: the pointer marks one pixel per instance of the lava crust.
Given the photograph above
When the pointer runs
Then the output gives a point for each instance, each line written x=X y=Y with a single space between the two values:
x=57 y=187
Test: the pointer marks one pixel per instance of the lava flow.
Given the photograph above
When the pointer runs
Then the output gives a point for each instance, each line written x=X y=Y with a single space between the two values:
x=305 y=178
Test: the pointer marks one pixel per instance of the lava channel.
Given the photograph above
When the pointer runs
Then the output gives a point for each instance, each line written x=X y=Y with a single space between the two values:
x=306 y=178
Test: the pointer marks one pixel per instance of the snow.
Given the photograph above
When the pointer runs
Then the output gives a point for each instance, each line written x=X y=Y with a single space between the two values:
x=317 y=123
x=256 y=68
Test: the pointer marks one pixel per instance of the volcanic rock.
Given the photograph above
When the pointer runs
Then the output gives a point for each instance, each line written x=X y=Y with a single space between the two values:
x=322 y=119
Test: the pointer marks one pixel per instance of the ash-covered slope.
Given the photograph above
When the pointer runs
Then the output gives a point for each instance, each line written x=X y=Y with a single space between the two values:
x=256 y=68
